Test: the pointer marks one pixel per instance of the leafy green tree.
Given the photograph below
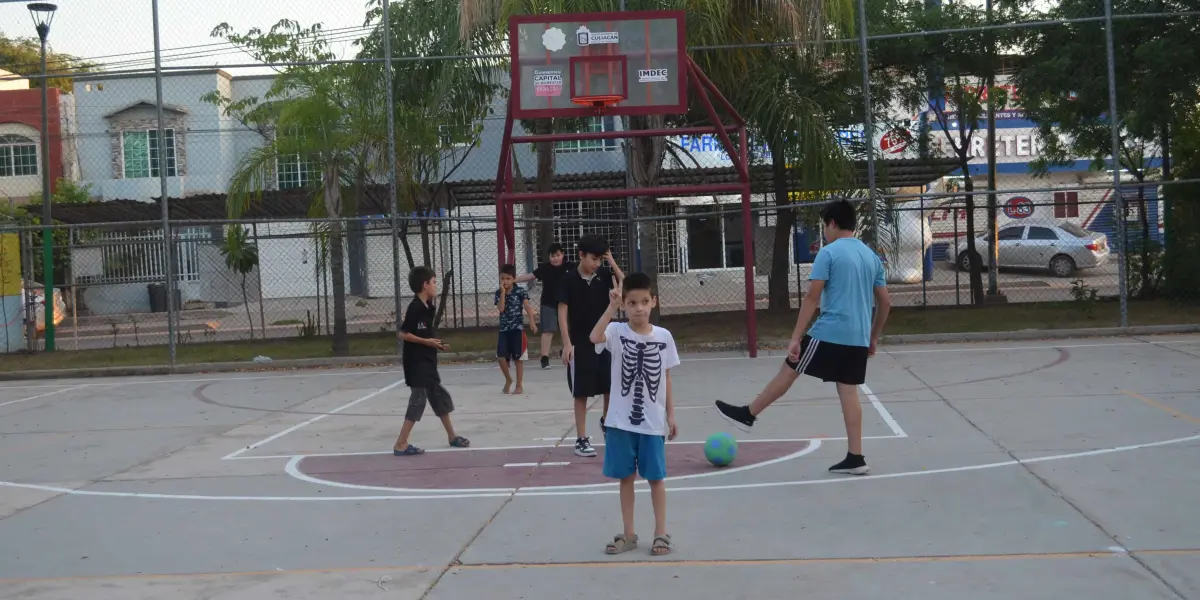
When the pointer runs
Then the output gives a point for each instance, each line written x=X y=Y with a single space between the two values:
x=439 y=104
x=23 y=56
x=956 y=66
x=1063 y=82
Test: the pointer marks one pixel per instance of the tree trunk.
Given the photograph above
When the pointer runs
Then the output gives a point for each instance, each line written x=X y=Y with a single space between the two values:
x=976 y=274
x=341 y=341
x=646 y=162
x=246 y=303
x=779 y=293
x=545 y=182
x=333 y=209
x=424 y=228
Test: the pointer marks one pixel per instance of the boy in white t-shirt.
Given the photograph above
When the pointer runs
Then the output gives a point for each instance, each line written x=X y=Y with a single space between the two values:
x=641 y=409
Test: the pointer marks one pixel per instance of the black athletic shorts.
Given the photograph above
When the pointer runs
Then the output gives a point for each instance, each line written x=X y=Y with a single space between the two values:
x=831 y=362
x=589 y=373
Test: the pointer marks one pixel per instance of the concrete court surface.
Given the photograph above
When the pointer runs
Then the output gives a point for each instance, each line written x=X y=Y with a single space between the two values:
x=1062 y=469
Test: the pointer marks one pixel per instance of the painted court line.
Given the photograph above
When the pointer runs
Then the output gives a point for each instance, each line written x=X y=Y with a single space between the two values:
x=293 y=469
x=236 y=454
x=1162 y=407
x=549 y=446
x=533 y=464
x=365 y=498
x=10 y=402
x=883 y=412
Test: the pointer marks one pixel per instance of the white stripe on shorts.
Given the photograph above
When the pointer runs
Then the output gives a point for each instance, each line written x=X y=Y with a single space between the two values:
x=808 y=355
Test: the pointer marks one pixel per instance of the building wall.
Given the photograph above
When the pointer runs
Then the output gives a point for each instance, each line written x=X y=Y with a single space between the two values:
x=207 y=144
x=21 y=114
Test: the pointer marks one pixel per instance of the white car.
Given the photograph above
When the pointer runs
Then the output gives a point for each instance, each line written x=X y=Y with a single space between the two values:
x=1061 y=247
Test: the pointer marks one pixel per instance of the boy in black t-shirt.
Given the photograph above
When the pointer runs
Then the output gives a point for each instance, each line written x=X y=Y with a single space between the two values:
x=582 y=300
x=550 y=274
x=420 y=364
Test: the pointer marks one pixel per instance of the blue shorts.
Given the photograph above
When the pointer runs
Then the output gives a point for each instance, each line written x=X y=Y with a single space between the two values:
x=509 y=345
x=626 y=452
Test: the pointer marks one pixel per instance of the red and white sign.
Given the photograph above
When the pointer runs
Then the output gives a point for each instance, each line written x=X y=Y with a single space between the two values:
x=1018 y=207
x=893 y=142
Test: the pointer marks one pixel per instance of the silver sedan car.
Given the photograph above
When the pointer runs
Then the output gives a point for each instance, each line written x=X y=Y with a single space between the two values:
x=1060 y=247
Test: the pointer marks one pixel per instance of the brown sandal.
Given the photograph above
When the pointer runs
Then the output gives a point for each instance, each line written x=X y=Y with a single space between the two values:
x=662 y=545
x=621 y=544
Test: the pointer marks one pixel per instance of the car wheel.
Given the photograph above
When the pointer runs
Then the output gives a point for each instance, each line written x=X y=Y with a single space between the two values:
x=1062 y=266
x=964 y=261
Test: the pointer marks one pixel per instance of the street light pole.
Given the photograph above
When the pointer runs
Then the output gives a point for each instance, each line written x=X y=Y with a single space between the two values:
x=43 y=15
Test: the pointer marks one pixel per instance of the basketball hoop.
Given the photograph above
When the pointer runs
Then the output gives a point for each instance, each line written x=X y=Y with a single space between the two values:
x=600 y=104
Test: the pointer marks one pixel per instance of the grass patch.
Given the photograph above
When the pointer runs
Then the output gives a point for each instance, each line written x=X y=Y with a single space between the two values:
x=687 y=329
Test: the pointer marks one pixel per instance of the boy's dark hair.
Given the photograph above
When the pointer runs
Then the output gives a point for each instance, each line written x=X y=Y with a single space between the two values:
x=636 y=281
x=508 y=270
x=554 y=248
x=593 y=244
x=418 y=277
x=841 y=212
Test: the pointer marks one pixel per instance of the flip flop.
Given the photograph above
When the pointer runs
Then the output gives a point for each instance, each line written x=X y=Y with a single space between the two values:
x=411 y=450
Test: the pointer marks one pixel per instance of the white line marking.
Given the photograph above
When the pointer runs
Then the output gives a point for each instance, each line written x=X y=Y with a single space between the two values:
x=533 y=464
x=42 y=395
x=544 y=446
x=848 y=479
x=883 y=412
x=293 y=469
x=312 y=420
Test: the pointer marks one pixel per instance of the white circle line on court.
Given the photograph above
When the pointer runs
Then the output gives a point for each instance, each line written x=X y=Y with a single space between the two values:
x=293 y=468
x=739 y=486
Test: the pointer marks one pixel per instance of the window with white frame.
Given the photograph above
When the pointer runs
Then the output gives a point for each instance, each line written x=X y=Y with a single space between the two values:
x=292 y=171
x=139 y=149
x=594 y=125
x=18 y=156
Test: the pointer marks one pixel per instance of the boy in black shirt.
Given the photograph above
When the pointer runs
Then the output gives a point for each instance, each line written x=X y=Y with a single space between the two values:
x=550 y=274
x=420 y=364
x=582 y=300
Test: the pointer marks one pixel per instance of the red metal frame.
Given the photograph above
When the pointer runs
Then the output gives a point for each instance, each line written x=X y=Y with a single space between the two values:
x=703 y=88
x=680 y=18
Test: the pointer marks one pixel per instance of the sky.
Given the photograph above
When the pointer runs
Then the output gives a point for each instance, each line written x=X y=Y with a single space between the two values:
x=121 y=31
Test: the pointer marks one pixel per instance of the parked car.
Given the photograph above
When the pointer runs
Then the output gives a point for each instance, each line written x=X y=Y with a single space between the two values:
x=1060 y=247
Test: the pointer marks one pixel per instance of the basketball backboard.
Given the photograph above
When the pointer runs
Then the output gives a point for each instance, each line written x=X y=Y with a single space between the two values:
x=565 y=65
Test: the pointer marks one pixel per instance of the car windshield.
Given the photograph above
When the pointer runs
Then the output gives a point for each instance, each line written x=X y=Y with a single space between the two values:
x=1074 y=230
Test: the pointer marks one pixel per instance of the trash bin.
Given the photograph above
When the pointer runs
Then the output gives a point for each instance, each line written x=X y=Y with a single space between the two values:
x=158 y=298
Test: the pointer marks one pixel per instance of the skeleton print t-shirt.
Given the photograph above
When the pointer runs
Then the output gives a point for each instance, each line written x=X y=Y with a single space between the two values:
x=638 y=395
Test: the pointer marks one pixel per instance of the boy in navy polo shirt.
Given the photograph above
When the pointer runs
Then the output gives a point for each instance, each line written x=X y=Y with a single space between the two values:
x=848 y=284
x=511 y=299
x=420 y=349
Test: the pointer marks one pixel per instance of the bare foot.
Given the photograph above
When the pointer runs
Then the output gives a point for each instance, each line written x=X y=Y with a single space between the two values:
x=519 y=390
x=507 y=385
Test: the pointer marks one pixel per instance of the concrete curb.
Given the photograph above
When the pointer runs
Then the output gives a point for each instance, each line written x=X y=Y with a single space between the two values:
x=766 y=345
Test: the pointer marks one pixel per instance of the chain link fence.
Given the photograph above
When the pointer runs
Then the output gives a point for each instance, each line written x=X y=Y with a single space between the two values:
x=290 y=209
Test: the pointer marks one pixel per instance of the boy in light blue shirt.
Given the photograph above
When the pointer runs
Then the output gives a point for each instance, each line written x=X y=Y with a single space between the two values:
x=848 y=283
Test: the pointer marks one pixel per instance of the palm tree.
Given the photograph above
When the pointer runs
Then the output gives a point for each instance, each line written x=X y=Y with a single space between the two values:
x=314 y=114
x=241 y=257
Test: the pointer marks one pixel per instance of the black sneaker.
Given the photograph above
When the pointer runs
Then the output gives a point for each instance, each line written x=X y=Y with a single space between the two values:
x=583 y=447
x=854 y=464
x=545 y=362
x=739 y=415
